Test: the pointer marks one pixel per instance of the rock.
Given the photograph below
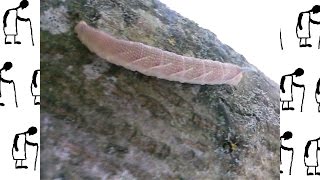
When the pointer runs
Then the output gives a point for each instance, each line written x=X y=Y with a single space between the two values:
x=101 y=121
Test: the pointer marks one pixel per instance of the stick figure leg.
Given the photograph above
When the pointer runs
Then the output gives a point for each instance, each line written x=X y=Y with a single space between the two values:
x=21 y=166
x=16 y=42
x=316 y=173
x=308 y=172
x=36 y=100
x=5 y=40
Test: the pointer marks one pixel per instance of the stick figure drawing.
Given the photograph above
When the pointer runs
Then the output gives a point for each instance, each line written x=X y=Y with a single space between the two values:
x=19 y=147
x=286 y=85
x=303 y=25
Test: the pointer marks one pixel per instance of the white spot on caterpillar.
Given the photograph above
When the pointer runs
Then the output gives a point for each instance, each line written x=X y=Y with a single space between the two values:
x=155 y=62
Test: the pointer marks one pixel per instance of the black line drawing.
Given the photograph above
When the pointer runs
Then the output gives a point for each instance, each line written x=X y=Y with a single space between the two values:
x=35 y=86
x=281 y=40
x=317 y=94
x=7 y=66
x=287 y=135
x=10 y=18
x=286 y=84
x=30 y=25
x=19 y=147
x=303 y=25
x=15 y=93
x=311 y=156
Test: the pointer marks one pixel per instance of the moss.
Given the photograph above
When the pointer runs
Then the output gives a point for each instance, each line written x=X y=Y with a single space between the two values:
x=59 y=81
x=45 y=5
x=81 y=10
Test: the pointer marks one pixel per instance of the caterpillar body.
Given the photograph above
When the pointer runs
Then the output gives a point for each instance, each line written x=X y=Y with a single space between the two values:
x=155 y=62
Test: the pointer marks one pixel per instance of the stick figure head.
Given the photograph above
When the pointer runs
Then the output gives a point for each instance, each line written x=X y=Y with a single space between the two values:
x=315 y=9
x=24 y=4
x=298 y=72
x=7 y=66
x=32 y=130
x=287 y=135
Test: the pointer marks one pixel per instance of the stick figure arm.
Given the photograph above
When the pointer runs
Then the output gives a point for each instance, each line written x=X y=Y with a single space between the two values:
x=281 y=83
x=5 y=18
x=5 y=81
x=299 y=20
x=22 y=19
x=286 y=148
x=15 y=145
x=314 y=22
x=297 y=85
x=318 y=87
x=306 y=150
x=34 y=78
x=31 y=143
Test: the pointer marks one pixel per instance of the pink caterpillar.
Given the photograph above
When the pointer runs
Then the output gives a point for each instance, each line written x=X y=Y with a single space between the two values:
x=153 y=61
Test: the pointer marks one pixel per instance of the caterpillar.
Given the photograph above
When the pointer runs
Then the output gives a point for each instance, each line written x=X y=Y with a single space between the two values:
x=155 y=62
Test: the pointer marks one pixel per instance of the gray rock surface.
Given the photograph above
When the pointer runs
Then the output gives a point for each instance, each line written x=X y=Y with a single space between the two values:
x=101 y=121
